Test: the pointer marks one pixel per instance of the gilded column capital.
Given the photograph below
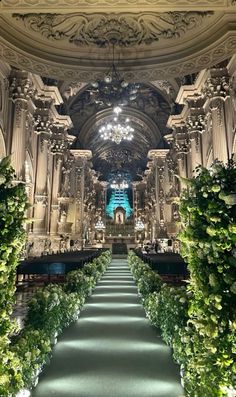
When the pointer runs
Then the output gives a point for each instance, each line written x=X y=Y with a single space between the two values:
x=182 y=143
x=196 y=119
x=217 y=86
x=60 y=140
x=21 y=87
x=43 y=117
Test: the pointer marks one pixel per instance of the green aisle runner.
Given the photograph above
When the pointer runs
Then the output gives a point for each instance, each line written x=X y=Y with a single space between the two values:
x=111 y=351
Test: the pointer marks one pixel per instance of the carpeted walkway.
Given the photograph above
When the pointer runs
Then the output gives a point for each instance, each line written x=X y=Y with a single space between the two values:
x=111 y=351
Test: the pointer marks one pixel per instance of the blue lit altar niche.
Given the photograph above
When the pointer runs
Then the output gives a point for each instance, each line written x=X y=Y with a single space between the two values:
x=118 y=207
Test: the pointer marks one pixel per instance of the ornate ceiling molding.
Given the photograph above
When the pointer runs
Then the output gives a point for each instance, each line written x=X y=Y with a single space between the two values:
x=201 y=47
x=122 y=29
x=174 y=68
x=104 y=5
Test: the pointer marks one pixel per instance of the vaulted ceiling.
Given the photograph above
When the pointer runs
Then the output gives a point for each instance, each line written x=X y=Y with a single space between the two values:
x=148 y=115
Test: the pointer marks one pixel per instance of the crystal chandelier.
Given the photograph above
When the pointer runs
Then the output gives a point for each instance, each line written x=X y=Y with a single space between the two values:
x=113 y=90
x=139 y=225
x=119 y=185
x=99 y=225
x=117 y=130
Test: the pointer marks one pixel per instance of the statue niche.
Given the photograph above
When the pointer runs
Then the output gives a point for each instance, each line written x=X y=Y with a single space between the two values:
x=119 y=216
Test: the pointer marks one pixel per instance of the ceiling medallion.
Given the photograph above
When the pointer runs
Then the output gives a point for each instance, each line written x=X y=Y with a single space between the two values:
x=117 y=130
x=128 y=29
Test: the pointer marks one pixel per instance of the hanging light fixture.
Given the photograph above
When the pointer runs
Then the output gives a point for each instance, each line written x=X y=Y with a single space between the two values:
x=119 y=185
x=113 y=90
x=117 y=130
x=139 y=225
x=99 y=225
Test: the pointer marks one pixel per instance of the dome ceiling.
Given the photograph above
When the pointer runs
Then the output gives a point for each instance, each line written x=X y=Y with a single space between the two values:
x=68 y=39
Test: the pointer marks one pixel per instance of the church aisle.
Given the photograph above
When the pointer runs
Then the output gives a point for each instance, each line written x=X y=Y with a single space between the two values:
x=112 y=350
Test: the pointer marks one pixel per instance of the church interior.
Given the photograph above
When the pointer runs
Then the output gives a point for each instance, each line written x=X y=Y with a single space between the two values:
x=106 y=108
x=63 y=77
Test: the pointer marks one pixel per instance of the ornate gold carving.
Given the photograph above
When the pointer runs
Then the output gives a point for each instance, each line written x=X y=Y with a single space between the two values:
x=125 y=29
x=178 y=67
x=217 y=89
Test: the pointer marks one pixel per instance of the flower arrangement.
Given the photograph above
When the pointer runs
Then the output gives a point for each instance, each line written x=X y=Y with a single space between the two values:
x=13 y=204
x=202 y=334
x=165 y=306
x=208 y=239
x=32 y=347
x=168 y=311
x=51 y=310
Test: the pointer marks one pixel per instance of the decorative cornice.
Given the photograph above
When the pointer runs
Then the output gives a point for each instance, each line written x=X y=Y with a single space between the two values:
x=118 y=5
x=81 y=154
x=178 y=67
x=101 y=30
x=157 y=153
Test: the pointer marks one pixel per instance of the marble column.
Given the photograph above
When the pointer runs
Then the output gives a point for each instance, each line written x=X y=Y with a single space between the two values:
x=54 y=218
x=195 y=124
x=21 y=90
x=216 y=91
x=182 y=149
x=81 y=157
x=43 y=126
x=60 y=143
x=159 y=156
x=41 y=194
x=104 y=199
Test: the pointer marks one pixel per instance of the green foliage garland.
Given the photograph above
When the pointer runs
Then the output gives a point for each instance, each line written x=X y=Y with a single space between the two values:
x=208 y=216
x=13 y=204
x=165 y=306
